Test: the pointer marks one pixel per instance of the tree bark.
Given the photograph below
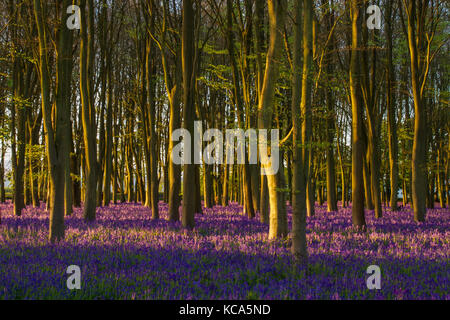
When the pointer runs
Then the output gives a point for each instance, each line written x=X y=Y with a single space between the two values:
x=331 y=173
x=392 y=123
x=188 y=52
x=88 y=109
x=277 y=9
x=419 y=168
x=358 y=217
x=57 y=139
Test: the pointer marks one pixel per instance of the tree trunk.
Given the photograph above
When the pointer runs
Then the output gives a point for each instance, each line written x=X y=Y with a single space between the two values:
x=154 y=183
x=19 y=84
x=331 y=173
x=225 y=185
x=391 y=102
x=57 y=139
x=2 y=172
x=239 y=104
x=88 y=109
x=174 y=169
x=108 y=138
x=357 y=120
x=419 y=167
x=264 y=201
x=188 y=52
x=277 y=9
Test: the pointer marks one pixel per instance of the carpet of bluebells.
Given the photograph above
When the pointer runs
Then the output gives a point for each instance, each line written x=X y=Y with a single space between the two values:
x=125 y=254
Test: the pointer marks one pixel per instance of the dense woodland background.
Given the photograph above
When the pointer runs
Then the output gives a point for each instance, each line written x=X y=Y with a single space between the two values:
x=86 y=115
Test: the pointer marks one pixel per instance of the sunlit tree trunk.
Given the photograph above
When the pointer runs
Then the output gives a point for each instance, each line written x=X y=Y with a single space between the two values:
x=174 y=124
x=154 y=183
x=277 y=9
x=33 y=128
x=341 y=167
x=305 y=105
x=357 y=120
x=369 y=89
x=129 y=160
x=174 y=169
x=88 y=109
x=439 y=180
x=108 y=138
x=57 y=139
x=76 y=159
x=259 y=49
x=366 y=173
x=419 y=167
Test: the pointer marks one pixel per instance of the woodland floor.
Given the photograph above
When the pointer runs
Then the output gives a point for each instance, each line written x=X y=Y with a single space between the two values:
x=126 y=255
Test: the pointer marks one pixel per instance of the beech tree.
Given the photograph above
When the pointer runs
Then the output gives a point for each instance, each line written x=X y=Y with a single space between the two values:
x=357 y=118
x=277 y=12
x=57 y=133
x=188 y=62
x=88 y=108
